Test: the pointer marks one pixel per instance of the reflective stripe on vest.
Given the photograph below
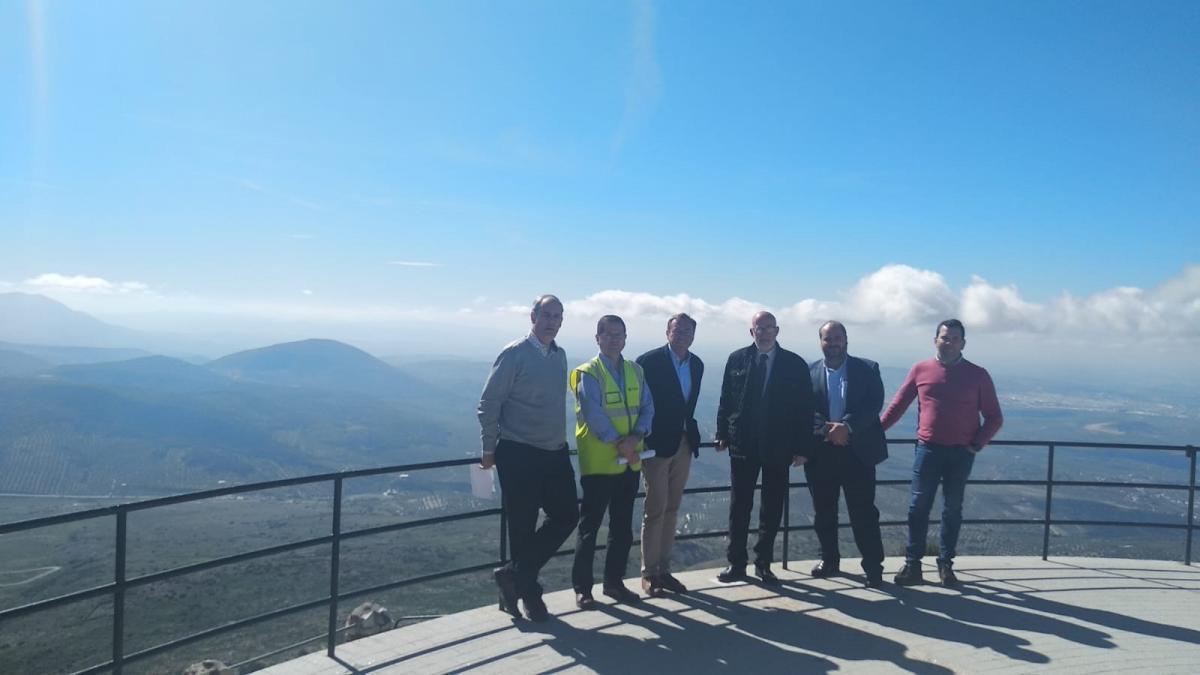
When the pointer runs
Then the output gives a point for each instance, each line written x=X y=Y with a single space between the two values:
x=596 y=456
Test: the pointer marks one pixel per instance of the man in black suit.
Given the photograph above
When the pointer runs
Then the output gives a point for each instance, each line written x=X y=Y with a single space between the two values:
x=673 y=375
x=764 y=421
x=849 y=396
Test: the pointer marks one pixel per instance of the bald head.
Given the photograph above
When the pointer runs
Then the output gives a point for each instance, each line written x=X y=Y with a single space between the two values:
x=764 y=330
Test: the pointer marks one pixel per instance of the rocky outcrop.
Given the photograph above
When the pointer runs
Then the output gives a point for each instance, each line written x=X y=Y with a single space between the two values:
x=367 y=619
x=208 y=667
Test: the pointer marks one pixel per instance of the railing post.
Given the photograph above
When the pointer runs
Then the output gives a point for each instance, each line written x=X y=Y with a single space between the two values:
x=503 y=532
x=1049 y=499
x=787 y=519
x=118 y=627
x=335 y=548
x=1187 y=556
x=503 y=546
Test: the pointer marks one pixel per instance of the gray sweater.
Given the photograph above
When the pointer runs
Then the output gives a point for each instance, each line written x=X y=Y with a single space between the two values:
x=524 y=399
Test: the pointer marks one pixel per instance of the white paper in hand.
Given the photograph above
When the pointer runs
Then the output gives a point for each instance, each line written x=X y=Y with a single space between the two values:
x=482 y=483
x=645 y=454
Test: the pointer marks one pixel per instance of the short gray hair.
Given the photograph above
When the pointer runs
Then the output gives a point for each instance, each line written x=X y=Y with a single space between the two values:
x=542 y=300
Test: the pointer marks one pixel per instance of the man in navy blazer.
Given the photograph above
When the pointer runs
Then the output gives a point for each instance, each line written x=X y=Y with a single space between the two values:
x=673 y=375
x=849 y=396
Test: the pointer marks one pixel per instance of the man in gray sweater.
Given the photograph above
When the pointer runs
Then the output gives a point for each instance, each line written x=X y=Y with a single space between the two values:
x=523 y=417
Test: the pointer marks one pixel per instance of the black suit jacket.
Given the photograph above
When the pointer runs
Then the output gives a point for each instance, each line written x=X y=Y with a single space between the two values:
x=672 y=413
x=789 y=407
x=864 y=400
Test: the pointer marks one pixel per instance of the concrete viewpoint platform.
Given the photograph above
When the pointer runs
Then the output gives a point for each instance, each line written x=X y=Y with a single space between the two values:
x=1011 y=614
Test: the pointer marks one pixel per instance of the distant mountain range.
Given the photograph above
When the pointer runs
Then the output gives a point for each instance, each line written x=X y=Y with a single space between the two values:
x=36 y=319
x=157 y=424
x=55 y=355
x=320 y=364
x=89 y=419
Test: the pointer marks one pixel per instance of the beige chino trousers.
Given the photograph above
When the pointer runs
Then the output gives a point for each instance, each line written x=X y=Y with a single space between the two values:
x=665 y=479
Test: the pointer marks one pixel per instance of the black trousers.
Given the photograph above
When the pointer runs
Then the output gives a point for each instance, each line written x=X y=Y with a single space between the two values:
x=835 y=470
x=615 y=494
x=532 y=479
x=743 y=473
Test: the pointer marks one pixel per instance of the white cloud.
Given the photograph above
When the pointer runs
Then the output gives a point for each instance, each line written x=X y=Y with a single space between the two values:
x=636 y=305
x=899 y=294
x=891 y=301
x=1170 y=310
x=52 y=282
x=806 y=311
x=998 y=308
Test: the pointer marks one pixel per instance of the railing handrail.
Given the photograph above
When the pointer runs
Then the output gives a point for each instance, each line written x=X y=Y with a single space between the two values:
x=155 y=502
x=121 y=583
x=170 y=500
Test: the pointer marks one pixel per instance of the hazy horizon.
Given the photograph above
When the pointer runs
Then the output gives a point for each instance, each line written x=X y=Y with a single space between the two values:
x=408 y=177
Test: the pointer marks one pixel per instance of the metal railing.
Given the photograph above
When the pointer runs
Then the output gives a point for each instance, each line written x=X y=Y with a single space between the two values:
x=121 y=583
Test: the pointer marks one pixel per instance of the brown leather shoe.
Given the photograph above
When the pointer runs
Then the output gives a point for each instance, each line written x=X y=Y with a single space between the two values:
x=909 y=575
x=672 y=584
x=653 y=587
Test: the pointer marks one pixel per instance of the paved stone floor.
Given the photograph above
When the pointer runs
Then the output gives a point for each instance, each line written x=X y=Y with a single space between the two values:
x=1012 y=614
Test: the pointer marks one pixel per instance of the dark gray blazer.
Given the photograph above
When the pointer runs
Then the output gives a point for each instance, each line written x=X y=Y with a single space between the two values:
x=864 y=400
x=789 y=406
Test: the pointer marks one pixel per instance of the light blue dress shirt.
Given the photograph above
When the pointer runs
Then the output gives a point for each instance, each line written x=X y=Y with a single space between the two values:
x=835 y=389
x=683 y=369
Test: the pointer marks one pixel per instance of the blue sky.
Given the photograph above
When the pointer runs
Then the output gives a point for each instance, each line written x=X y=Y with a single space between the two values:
x=178 y=165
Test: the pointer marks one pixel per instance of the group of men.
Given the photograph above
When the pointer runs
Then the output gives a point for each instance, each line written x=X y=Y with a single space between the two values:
x=635 y=421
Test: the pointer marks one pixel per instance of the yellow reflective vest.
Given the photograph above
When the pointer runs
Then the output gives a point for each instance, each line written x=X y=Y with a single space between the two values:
x=596 y=456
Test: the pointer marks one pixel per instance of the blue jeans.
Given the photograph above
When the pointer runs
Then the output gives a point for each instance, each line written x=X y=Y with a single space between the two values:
x=950 y=465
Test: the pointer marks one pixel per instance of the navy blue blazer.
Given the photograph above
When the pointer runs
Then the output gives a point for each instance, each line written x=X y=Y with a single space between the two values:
x=673 y=415
x=864 y=401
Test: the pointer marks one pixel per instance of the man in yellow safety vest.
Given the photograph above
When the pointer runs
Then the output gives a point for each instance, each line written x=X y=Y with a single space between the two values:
x=613 y=412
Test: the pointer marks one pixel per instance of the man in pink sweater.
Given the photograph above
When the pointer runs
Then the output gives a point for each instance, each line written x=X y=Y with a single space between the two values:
x=952 y=393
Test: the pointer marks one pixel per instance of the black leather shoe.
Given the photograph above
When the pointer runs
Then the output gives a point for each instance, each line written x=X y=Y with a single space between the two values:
x=584 y=600
x=947 y=576
x=672 y=584
x=506 y=581
x=874 y=580
x=909 y=575
x=763 y=572
x=535 y=609
x=825 y=569
x=732 y=573
x=619 y=593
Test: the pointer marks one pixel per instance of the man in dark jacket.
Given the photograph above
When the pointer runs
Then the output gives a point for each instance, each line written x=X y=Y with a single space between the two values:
x=849 y=396
x=764 y=420
x=673 y=376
